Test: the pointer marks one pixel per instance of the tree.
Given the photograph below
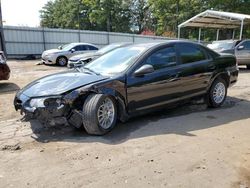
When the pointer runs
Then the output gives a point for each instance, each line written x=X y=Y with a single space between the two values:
x=103 y=15
x=46 y=14
x=64 y=14
x=169 y=13
x=141 y=18
x=160 y=16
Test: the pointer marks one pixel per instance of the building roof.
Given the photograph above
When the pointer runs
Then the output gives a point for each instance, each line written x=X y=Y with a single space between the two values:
x=217 y=19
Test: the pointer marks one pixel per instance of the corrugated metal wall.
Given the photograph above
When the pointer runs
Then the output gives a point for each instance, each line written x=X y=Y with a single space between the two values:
x=22 y=41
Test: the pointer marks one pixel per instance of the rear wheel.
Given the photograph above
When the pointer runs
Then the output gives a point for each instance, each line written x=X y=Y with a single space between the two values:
x=99 y=114
x=217 y=93
x=62 y=61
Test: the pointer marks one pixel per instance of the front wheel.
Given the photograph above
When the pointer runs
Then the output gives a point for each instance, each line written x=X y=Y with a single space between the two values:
x=62 y=61
x=99 y=114
x=217 y=93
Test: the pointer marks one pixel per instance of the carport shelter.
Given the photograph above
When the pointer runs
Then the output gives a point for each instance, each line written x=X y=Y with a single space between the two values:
x=217 y=20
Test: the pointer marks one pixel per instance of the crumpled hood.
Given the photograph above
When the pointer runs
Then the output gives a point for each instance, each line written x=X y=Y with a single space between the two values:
x=83 y=56
x=59 y=83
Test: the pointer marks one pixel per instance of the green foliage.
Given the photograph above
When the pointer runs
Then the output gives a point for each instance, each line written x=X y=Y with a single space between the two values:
x=160 y=16
x=110 y=15
x=141 y=16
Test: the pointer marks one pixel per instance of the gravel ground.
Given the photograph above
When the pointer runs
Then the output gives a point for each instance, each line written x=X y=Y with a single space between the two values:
x=189 y=146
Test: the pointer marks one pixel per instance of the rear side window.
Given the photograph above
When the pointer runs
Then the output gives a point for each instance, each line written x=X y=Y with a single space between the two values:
x=81 y=48
x=163 y=58
x=92 y=48
x=190 y=53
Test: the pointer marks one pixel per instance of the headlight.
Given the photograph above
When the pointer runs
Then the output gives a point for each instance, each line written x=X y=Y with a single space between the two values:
x=37 y=103
x=46 y=102
x=81 y=62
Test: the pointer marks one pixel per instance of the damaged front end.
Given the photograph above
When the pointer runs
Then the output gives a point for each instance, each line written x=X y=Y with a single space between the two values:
x=53 y=110
x=50 y=109
x=56 y=98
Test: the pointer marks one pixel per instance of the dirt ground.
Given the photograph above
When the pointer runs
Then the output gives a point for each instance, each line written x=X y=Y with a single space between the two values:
x=190 y=146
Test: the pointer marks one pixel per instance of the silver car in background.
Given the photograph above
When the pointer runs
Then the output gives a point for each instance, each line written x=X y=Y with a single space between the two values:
x=241 y=49
x=61 y=55
x=82 y=59
x=224 y=46
x=242 y=53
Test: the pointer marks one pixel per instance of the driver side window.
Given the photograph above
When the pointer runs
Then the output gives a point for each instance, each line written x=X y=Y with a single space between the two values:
x=246 y=45
x=163 y=58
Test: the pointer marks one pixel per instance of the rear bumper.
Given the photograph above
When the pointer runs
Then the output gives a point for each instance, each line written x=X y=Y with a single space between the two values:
x=243 y=61
x=4 y=72
x=233 y=74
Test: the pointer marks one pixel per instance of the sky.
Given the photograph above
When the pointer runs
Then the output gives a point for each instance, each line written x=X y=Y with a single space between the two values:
x=22 y=12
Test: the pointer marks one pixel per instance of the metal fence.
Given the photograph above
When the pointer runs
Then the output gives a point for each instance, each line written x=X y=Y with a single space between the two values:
x=23 y=41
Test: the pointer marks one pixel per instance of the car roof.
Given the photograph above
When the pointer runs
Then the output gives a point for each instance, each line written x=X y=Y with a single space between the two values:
x=120 y=43
x=162 y=43
x=225 y=41
x=82 y=43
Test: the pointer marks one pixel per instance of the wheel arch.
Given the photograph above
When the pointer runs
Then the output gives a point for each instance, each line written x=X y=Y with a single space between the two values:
x=115 y=95
x=119 y=99
x=223 y=75
x=63 y=57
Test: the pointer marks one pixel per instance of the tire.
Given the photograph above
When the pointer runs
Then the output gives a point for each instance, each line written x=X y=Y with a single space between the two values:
x=95 y=114
x=62 y=61
x=217 y=93
x=248 y=66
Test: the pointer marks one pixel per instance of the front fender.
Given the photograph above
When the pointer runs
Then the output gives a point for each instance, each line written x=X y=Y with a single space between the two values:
x=77 y=97
x=122 y=110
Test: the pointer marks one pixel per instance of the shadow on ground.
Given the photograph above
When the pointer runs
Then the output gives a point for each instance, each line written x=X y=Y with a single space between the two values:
x=181 y=120
x=7 y=87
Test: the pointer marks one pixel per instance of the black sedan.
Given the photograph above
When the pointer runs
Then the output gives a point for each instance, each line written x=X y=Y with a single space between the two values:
x=129 y=81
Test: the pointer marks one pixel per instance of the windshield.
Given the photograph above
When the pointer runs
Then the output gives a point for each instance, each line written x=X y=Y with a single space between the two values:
x=116 y=61
x=222 y=45
x=67 y=47
x=108 y=48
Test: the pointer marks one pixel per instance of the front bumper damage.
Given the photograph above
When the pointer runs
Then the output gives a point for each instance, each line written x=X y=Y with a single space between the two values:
x=55 y=111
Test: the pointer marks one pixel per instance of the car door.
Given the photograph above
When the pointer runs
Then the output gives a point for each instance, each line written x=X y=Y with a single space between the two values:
x=195 y=70
x=76 y=50
x=242 y=52
x=158 y=87
x=80 y=49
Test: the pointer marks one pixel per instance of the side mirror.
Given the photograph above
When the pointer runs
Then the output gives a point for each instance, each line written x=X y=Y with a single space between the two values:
x=240 y=47
x=72 y=50
x=59 y=47
x=145 y=69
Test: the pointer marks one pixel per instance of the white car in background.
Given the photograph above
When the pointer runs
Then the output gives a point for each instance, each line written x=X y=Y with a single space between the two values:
x=61 y=55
